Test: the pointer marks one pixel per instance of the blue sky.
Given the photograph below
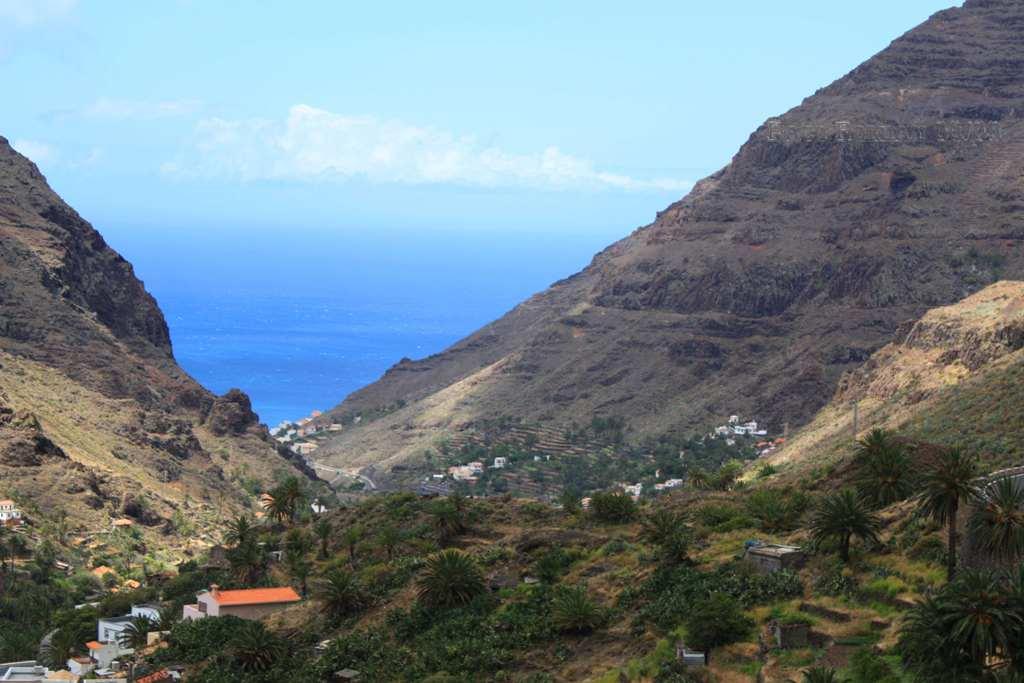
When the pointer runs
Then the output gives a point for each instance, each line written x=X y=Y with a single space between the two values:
x=565 y=116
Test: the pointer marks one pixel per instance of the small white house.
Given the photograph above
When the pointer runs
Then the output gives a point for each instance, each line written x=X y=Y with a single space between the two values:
x=81 y=666
x=500 y=463
x=109 y=629
x=634 y=490
x=9 y=511
x=104 y=653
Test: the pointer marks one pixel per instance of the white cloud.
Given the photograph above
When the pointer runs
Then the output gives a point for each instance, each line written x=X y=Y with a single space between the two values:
x=30 y=13
x=39 y=152
x=314 y=144
x=105 y=108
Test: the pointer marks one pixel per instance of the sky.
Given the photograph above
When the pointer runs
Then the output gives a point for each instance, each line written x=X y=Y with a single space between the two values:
x=276 y=116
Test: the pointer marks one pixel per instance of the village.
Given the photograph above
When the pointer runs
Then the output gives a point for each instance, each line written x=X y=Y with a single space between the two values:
x=121 y=640
x=470 y=477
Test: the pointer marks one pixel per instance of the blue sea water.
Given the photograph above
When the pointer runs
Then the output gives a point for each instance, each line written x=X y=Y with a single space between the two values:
x=300 y=318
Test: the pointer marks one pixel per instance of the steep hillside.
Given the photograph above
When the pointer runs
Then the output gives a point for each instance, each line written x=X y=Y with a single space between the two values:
x=953 y=378
x=892 y=191
x=96 y=418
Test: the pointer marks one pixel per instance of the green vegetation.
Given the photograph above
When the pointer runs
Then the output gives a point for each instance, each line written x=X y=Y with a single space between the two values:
x=572 y=611
x=947 y=484
x=839 y=518
x=883 y=469
x=451 y=578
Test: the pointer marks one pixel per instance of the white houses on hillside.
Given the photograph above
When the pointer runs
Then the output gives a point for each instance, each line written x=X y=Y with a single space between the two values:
x=9 y=513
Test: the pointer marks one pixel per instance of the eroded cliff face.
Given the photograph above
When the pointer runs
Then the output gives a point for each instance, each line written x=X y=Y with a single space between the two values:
x=892 y=191
x=955 y=377
x=96 y=418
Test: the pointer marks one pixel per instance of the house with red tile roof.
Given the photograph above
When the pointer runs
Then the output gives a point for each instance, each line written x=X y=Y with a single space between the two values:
x=156 y=677
x=246 y=603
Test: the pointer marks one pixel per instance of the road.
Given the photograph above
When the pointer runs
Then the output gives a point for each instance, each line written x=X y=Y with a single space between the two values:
x=354 y=474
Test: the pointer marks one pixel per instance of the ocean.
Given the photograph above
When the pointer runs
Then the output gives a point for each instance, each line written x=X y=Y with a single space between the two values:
x=298 y=319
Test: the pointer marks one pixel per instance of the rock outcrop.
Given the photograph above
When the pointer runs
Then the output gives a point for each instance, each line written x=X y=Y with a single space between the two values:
x=96 y=418
x=955 y=377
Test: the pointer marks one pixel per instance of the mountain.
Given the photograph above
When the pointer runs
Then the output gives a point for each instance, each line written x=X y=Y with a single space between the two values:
x=96 y=419
x=954 y=378
x=892 y=191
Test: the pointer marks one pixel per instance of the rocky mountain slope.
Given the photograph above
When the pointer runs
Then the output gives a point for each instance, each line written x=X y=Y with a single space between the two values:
x=894 y=190
x=953 y=378
x=96 y=418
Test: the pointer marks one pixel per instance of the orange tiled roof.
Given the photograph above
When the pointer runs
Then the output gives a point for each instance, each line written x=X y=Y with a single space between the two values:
x=156 y=677
x=102 y=571
x=94 y=645
x=256 y=596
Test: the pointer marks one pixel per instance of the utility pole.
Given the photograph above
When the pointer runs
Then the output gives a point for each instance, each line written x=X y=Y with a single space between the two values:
x=856 y=419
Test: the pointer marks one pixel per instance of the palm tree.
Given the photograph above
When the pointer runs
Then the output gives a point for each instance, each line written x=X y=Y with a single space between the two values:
x=60 y=647
x=820 y=674
x=997 y=524
x=448 y=520
x=286 y=499
x=279 y=508
x=134 y=634
x=841 y=517
x=978 y=613
x=883 y=469
x=248 y=562
x=572 y=611
x=341 y=593
x=450 y=578
x=947 y=484
x=323 y=531
x=877 y=441
x=256 y=649
x=350 y=539
x=169 y=616
x=390 y=538
x=668 y=530
x=700 y=479
x=239 y=530
x=970 y=626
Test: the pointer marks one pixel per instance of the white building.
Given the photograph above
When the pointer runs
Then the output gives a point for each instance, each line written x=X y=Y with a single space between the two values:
x=109 y=629
x=9 y=512
x=634 y=490
x=81 y=666
x=500 y=463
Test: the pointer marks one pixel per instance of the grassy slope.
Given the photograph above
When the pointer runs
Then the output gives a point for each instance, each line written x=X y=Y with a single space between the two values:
x=507 y=538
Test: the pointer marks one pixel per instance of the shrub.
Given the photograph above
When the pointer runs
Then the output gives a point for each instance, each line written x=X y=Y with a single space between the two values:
x=867 y=666
x=715 y=621
x=722 y=517
x=572 y=611
x=776 y=509
x=551 y=565
x=450 y=578
x=613 y=507
x=194 y=641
